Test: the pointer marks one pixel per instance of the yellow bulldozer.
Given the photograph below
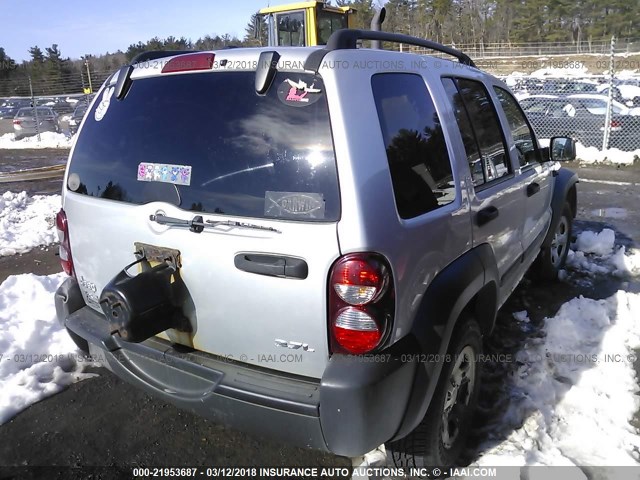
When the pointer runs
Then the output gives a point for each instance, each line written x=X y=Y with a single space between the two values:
x=304 y=23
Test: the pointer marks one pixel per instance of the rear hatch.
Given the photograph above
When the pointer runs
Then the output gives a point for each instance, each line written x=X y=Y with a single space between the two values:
x=205 y=144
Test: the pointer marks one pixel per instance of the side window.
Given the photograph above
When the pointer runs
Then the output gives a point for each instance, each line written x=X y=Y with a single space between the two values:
x=466 y=130
x=521 y=131
x=483 y=117
x=329 y=22
x=477 y=118
x=290 y=29
x=416 y=150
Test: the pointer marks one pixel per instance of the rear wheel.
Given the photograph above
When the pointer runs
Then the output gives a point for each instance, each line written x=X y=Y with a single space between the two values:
x=441 y=436
x=552 y=257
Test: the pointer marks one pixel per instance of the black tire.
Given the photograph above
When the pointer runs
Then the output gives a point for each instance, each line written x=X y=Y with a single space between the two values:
x=431 y=444
x=552 y=257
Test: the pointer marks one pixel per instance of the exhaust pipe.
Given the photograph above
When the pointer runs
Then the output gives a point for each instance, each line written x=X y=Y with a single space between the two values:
x=376 y=26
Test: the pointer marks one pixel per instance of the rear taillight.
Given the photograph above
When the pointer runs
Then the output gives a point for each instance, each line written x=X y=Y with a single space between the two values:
x=615 y=124
x=188 y=62
x=361 y=303
x=65 y=247
x=17 y=122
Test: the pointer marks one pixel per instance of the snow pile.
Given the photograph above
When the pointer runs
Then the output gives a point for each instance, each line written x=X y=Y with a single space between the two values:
x=560 y=72
x=626 y=264
x=598 y=243
x=47 y=140
x=27 y=222
x=575 y=386
x=38 y=358
x=595 y=254
x=612 y=155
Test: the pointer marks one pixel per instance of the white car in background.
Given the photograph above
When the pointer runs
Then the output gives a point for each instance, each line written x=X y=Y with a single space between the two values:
x=627 y=93
x=597 y=104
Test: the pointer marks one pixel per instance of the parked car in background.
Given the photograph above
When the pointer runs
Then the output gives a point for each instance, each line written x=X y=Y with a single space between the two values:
x=626 y=93
x=569 y=87
x=77 y=116
x=24 y=123
x=583 y=118
x=10 y=107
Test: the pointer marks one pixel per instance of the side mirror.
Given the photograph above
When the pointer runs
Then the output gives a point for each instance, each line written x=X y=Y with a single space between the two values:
x=562 y=149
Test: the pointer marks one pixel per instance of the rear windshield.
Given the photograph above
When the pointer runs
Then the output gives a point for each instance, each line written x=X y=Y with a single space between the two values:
x=207 y=142
x=30 y=112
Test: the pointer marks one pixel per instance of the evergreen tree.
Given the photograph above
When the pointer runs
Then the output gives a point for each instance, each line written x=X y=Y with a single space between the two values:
x=257 y=24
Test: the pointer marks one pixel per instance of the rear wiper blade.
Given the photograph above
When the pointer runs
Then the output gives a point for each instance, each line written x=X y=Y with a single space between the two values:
x=197 y=224
x=231 y=223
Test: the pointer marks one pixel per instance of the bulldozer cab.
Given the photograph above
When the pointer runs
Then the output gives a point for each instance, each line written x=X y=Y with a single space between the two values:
x=305 y=23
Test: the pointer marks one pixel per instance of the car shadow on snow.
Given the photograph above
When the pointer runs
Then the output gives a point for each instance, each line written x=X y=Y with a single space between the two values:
x=494 y=421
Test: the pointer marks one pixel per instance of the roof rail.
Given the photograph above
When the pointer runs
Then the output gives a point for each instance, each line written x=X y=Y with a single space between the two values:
x=153 y=54
x=347 y=39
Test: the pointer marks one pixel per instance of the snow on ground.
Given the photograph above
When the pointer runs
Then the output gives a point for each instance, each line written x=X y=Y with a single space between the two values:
x=612 y=155
x=595 y=253
x=27 y=222
x=560 y=72
x=47 y=140
x=576 y=385
x=589 y=155
x=37 y=356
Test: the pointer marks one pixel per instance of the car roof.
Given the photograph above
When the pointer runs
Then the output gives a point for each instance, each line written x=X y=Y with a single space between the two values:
x=291 y=59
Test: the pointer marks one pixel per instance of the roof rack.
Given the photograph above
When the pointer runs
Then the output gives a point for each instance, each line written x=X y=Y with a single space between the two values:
x=347 y=39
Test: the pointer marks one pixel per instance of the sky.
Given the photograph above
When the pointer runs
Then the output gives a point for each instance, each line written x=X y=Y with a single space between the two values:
x=94 y=28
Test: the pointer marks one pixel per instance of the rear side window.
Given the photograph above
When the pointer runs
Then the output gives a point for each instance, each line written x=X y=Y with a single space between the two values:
x=416 y=150
x=217 y=146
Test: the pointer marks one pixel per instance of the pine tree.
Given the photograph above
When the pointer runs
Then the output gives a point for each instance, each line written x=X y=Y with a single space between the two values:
x=257 y=24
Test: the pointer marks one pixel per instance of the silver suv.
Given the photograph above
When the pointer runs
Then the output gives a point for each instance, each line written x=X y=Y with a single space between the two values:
x=308 y=243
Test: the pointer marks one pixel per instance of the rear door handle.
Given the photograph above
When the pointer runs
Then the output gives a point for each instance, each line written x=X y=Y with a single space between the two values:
x=532 y=189
x=272 y=265
x=486 y=215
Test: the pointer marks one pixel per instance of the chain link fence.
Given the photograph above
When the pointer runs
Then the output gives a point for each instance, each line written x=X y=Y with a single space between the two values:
x=61 y=100
x=559 y=94
x=596 y=111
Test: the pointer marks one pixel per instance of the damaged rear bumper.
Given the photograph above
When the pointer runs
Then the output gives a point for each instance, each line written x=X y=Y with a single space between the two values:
x=354 y=408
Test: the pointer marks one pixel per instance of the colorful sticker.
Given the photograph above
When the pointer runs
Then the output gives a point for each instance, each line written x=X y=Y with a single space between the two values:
x=298 y=93
x=166 y=173
x=103 y=106
x=294 y=205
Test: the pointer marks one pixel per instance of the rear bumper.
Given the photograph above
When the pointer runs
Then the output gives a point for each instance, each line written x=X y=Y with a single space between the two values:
x=355 y=407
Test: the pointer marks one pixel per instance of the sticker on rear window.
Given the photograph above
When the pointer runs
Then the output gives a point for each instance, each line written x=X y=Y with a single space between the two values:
x=298 y=93
x=163 y=172
x=103 y=106
x=294 y=205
